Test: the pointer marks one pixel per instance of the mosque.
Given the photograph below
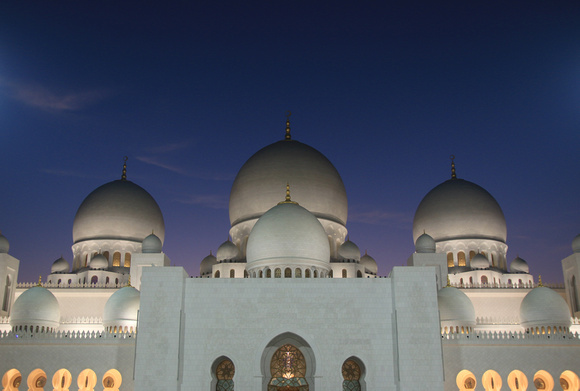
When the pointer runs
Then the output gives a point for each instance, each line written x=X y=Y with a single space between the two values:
x=289 y=303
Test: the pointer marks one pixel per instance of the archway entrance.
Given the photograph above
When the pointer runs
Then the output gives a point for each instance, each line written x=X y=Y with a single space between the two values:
x=288 y=370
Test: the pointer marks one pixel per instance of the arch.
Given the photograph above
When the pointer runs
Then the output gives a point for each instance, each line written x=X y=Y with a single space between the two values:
x=307 y=273
x=277 y=273
x=61 y=380
x=574 y=299
x=116 y=259
x=543 y=381
x=344 y=273
x=216 y=274
x=471 y=255
x=450 y=259
x=36 y=380
x=127 y=262
x=6 y=300
x=232 y=273
x=359 y=274
x=287 y=273
x=261 y=274
x=517 y=381
x=569 y=381
x=269 y=273
x=287 y=361
x=223 y=371
x=106 y=255
x=11 y=380
x=465 y=380
x=461 y=258
x=491 y=381
x=94 y=280
x=484 y=280
x=315 y=273
x=112 y=380
x=353 y=372
x=298 y=273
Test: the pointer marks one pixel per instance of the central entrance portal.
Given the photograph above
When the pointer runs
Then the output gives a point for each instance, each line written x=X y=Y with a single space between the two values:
x=288 y=370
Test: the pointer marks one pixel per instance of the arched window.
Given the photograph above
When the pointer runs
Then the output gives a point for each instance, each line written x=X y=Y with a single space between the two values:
x=287 y=273
x=343 y=273
x=450 y=260
x=261 y=274
x=277 y=273
x=12 y=380
x=465 y=380
x=574 y=299
x=307 y=273
x=112 y=380
x=232 y=273
x=351 y=373
x=471 y=255
x=106 y=255
x=484 y=280
x=543 y=381
x=461 y=258
x=107 y=280
x=36 y=380
x=61 y=380
x=269 y=273
x=517 y=381
x=6 y=301
x=359 y=274
x=116 y=259
x=330 y=274
x=493 y=261
x=94 y=279
x=87 y=380
x=216 y=274
x=224 y=374
x=288 y=369
x=315 y=274
x=298 y=273
x=491 y=381
x=127 y=260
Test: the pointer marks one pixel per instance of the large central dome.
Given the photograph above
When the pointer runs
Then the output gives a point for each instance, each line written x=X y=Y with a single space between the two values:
x=316 y=184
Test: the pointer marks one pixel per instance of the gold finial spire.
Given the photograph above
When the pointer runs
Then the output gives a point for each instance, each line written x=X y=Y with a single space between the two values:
x=288 y=137
x=39 y=281
x=129 y=281
x=453 y=175
x=540 y=280
x=448 y=281
x=124 y=175
x=288 y=200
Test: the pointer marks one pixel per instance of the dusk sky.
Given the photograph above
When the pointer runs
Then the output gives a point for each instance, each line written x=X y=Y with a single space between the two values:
x=189 y=90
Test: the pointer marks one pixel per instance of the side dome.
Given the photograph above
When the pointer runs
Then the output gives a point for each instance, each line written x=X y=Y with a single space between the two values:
x=121 y=310
x=316 y=184
x=118 y=210
x=205 y=267
x=459 y=209
x=288 y=234
x=479 y=261
x=369 y=264
x=227 y=251
x=575 y=244
x=151 y=244
x=544 y=307
x=60 y=266
x=4 y=244
x=518 y=265
x=99 y=262
x=36 y=308
x=455 y=308
x=349 y=250
x=425 y=244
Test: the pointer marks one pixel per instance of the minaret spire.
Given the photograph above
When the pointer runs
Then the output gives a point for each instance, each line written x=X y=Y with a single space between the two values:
x=453 y=175
x=288 y=200
x=288 y=136
x=124 y=175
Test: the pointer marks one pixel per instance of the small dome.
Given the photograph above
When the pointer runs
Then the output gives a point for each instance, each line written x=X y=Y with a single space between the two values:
x=37 y=306
x=459 y=209
x=288 y=234
x=479 y=261
x=455 y=308
x=60 y=266
x=4 y=244
x=99 y=262
x=121 y=309
x=518 y=265
x=369 y=264
x=349 y=250
x=118 y=210
x=575 y=244
x=544 y=307
x=206 y=265
x=151 y=244
x=227 y=251
x=425 y=244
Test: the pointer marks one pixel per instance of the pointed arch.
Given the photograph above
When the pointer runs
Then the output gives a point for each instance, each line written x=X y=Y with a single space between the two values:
x=223 y=371
x=61 y=380
x=353 y=373
x=36 y=380
x=11 y=380
x=87 y=380
x=112 y=380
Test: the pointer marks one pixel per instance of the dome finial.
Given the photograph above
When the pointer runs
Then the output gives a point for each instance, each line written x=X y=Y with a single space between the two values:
x=124 y=175
x=453 y=175
x=540 y=280
x=129 y=281
x=448 y=281
x=288 y=114
x=39 y=281
x=288 y=200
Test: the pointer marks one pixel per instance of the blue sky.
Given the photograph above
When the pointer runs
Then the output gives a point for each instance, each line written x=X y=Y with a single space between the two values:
x=190 y=90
